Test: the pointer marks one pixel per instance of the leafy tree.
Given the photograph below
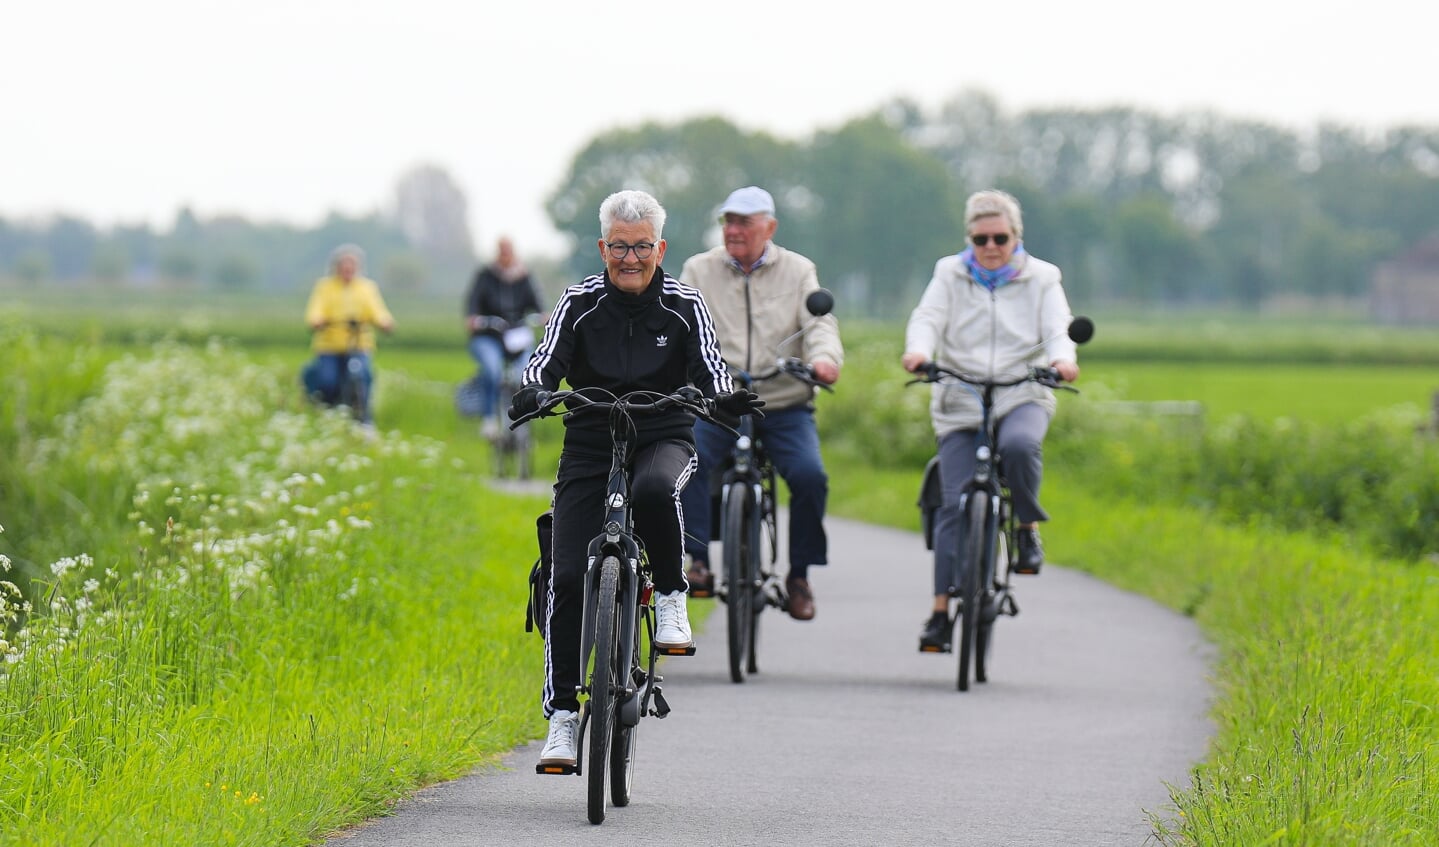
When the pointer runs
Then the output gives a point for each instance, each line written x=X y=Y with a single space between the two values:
x=33 y=266
x=882 y=212
x=690 y=168
x=70 y=243
x=111 y=262
x=433 y=213
x=405 y=270
x=179 y=264
x=237 y=271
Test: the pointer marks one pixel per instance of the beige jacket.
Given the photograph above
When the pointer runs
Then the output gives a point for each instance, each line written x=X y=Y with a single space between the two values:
x=753 y=313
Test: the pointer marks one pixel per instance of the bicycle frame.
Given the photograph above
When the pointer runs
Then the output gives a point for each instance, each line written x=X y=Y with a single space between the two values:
x=988 y=476
x=750 y=467
x=620 y=685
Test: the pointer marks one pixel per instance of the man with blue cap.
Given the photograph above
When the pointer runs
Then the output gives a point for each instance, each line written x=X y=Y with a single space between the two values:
x=756 y=293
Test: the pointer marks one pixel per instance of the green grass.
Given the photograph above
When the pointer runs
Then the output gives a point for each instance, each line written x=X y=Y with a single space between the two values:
x=250 y=675
x=1328 y=394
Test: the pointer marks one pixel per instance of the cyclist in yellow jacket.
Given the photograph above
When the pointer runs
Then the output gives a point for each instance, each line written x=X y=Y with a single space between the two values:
x=343 y=309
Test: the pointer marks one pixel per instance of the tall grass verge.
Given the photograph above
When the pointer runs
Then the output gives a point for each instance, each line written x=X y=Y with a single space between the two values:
x=303 y=625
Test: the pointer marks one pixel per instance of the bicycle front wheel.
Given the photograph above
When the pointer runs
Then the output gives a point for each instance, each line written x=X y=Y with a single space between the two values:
x=739 y=597
x=993 y=598
x=971 y=596
x=603 y=684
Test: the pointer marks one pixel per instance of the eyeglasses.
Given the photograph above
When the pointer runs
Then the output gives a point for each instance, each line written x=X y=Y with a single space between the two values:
x=982 y=240
x=620 y=251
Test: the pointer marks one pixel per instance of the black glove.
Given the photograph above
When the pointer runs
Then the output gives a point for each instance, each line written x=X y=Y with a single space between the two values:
x=527 y=401
x=729 y=407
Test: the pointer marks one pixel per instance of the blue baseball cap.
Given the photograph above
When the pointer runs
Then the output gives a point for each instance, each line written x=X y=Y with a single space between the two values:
x=750 y=200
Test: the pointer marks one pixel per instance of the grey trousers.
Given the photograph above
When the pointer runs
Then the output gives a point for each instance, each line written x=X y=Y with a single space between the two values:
x=1020 y=443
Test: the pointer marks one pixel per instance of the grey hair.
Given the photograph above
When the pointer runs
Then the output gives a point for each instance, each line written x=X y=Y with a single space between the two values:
x=631 y=206
x=353 y=250
x=990 y=202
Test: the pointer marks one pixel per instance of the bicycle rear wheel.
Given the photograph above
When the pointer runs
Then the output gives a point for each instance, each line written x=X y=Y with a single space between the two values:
x=970 y=611
x=625 y=747
x=739 y=597
x=757 y=579
x=603 y=684
x=622 y=761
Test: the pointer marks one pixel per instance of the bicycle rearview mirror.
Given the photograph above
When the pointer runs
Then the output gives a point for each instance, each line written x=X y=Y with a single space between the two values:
x=1081 y=329
x=819 y=302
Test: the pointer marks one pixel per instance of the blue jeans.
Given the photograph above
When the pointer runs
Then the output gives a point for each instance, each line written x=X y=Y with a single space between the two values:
x=489 y=352
x=322 y=378
x=792 y=441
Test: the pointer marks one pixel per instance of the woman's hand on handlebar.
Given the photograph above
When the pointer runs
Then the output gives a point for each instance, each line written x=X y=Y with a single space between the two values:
x=1068 y=371
x=913 y=362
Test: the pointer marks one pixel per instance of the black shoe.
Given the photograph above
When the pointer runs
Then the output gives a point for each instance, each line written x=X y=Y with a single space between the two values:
x=936 y=635
x=1030 y=550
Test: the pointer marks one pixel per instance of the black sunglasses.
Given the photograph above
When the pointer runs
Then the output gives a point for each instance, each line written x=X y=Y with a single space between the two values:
x=982 y=240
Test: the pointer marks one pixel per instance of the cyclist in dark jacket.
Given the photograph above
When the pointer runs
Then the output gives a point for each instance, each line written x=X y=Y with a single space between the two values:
x=630 y=328
x=501 y=297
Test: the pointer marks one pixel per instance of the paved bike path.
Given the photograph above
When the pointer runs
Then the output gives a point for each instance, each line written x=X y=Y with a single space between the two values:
x=1097 y=698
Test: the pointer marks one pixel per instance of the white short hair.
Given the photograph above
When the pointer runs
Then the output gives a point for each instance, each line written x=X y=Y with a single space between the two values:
x=990 y=202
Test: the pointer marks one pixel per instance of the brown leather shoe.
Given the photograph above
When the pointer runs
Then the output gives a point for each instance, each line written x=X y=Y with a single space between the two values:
x=801 y=599
x=701 y=580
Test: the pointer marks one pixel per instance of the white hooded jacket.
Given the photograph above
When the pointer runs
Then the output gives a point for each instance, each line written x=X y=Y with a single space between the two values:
x=998 y=335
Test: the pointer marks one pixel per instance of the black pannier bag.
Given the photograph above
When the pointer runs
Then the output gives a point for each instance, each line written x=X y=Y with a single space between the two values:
x=540 y=574
x=931 y=497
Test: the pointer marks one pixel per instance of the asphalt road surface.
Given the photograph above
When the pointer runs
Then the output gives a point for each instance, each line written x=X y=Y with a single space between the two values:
x=1097 y=701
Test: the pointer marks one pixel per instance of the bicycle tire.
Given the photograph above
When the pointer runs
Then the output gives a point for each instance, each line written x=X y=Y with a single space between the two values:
x=739 y=597
x=985 y=637
x=970 y=613
x=625 y=745
x=602 y=685
x=758 y=578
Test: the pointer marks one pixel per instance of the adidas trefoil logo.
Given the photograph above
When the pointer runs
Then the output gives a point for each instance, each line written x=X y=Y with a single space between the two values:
x=662 y=340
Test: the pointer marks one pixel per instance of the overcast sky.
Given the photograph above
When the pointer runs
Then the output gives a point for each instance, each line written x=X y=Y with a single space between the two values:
x=122 y=112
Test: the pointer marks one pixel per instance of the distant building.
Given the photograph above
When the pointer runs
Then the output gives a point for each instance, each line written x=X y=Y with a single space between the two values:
x=1405 y=289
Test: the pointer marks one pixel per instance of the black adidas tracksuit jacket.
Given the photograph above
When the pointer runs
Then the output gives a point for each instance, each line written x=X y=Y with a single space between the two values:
x=657 y=340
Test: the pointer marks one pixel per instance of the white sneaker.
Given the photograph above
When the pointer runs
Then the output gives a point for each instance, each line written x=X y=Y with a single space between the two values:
x=673 y=621
x=560 y=746
x=490 y=428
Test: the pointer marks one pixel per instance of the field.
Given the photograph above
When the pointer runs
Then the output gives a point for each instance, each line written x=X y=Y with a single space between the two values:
x=249 y=625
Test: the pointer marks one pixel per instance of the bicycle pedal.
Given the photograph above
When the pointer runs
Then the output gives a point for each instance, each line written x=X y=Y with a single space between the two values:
x=557 y=770
x=934 y=648
x=661 y=706
x=675 y=651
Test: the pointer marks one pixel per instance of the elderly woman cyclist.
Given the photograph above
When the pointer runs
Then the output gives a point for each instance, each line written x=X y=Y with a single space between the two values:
x=993 y=311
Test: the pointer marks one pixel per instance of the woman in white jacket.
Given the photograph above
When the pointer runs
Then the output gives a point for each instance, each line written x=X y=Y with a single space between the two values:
x=993 y=311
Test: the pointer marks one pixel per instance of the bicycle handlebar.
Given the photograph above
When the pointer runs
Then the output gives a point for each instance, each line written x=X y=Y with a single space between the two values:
x=576 y=400
x=788 y=366
x=1048 y=377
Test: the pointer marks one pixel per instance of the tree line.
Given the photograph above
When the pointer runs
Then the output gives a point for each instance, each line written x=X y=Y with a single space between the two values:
x=1136 y=207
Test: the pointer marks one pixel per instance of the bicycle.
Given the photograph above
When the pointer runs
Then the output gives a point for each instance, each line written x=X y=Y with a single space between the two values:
x=982 y=586
x=353 y=390
x=513 y=449
x=621 y=685
x=748 y=517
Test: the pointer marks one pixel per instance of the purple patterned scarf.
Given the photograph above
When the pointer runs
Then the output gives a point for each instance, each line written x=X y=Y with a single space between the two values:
x=994 y=279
